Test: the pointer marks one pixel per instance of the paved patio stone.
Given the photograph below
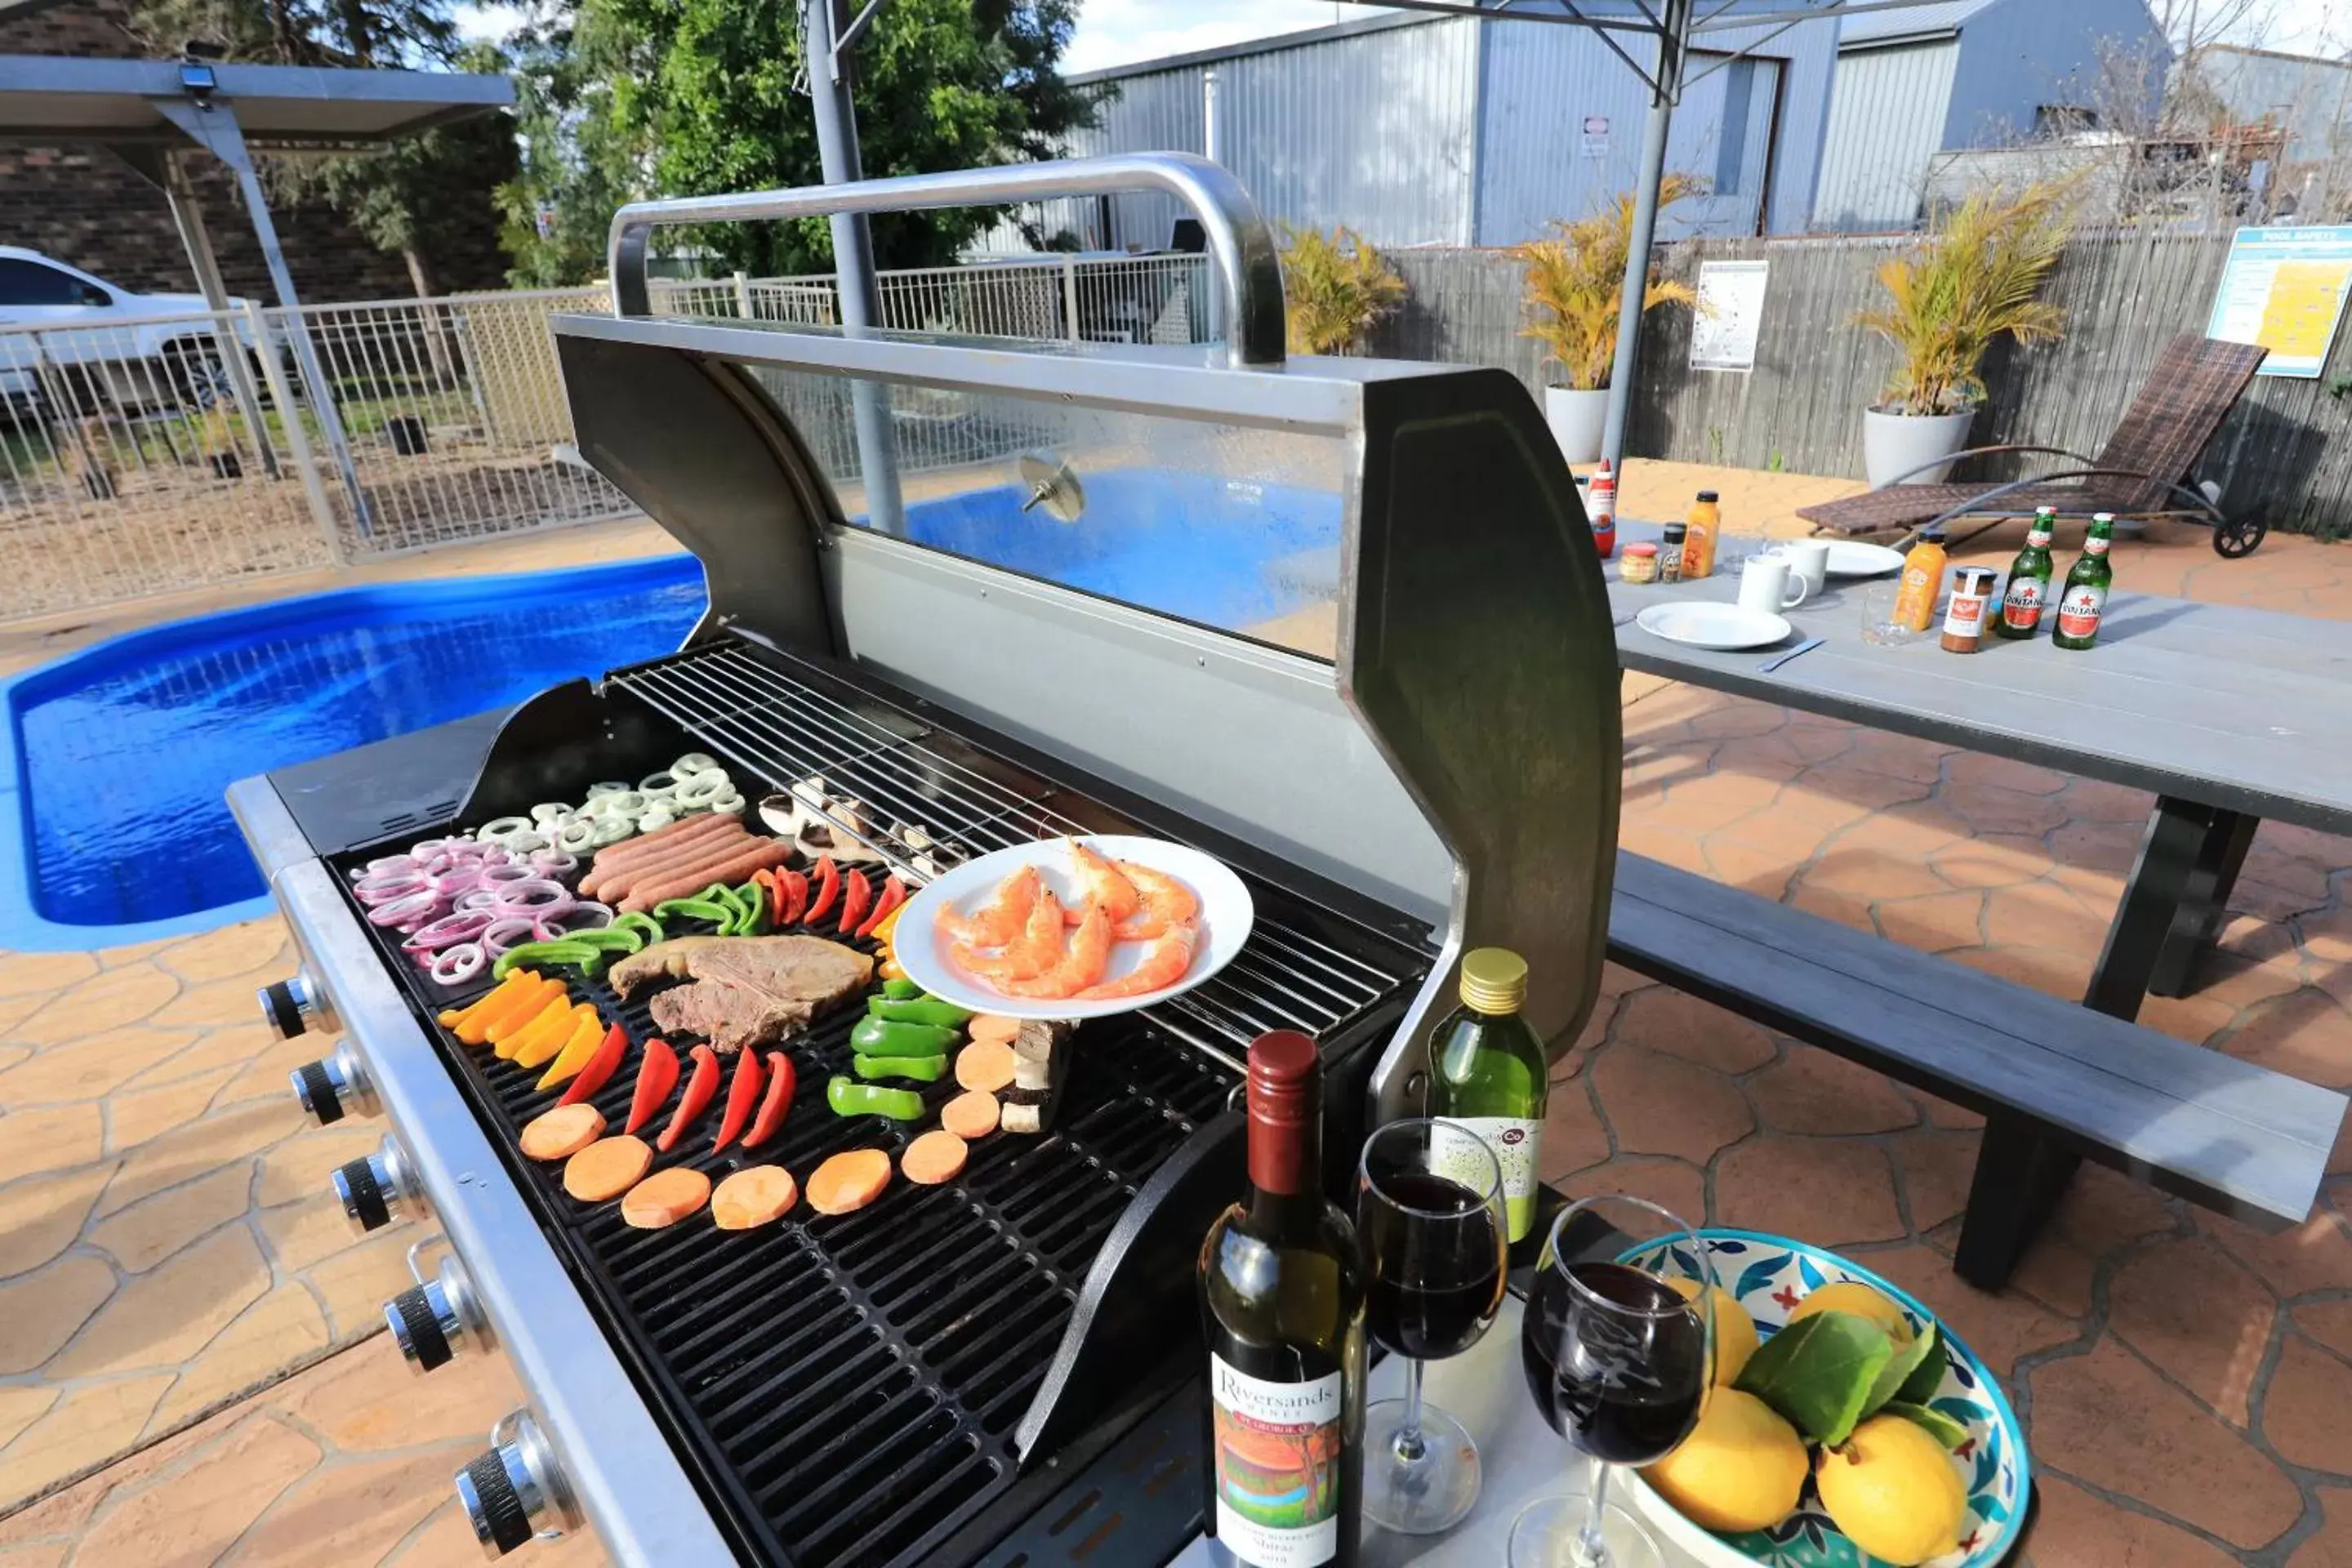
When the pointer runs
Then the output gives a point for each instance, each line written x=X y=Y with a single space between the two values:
x=1830 y=1191
x=154 y=1229
x=2329 y=1323
x=2186 y=1307
x=2076 y=1527
x=2307 y=1414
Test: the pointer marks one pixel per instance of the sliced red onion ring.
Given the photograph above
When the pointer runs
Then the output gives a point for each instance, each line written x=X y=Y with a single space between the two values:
x=448 y=931
x=484 y=899
x=507 y=932
x=385 y=866
x=383 y=889
x=455 y=965
x=413 y=910
x=553 y=862
x=507 y=874
x=537 y=897
x=585 y=915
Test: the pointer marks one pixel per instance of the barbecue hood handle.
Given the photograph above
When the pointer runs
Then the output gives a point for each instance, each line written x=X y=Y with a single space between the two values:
x=1240 y=248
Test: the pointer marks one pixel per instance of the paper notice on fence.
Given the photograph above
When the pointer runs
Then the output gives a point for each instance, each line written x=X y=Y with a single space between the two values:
x=2283 y=288
x=1730 y=313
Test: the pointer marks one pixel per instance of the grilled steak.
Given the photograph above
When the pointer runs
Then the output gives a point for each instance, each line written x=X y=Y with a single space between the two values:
x=745 y=991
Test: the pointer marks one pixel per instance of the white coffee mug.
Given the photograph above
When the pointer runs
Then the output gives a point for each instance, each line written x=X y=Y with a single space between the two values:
x=1810 y=559
x=1770 y=584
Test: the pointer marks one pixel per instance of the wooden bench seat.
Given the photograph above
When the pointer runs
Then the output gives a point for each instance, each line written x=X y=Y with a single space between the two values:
x=2057 y=1082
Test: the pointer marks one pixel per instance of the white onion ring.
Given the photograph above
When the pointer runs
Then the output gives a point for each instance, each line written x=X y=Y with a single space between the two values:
x=498 y=827
x=416 y=907
x=694 y=762
x=455 y=965
x=553 y=862
x=612 y=830
x=609 y=787
x=578 y=834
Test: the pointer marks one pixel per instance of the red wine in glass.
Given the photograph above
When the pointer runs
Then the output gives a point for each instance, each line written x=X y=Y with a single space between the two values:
x=1616 y=1360
x=1435 y=1293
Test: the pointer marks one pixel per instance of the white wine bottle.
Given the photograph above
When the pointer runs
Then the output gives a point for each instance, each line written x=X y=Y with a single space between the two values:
x=1486 y=1072
x=1282 y=1307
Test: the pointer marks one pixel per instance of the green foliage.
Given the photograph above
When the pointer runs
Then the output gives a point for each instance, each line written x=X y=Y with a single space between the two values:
x=1575 y=284
x=1334 y=290
x=1975 y=274
x=623 y=98
x=1820 y=1373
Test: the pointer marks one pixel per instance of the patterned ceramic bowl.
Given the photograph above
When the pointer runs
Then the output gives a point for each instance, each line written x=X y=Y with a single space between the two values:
x=1770 y=1275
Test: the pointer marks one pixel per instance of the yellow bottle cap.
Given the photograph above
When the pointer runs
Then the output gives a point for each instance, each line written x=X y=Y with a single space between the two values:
x=1494 y=980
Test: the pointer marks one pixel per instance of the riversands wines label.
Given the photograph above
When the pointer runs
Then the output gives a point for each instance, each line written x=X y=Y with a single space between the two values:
x=1277 y=1456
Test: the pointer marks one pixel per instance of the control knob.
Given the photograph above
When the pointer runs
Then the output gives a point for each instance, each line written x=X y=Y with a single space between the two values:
x=516 y=1490
x=376 y=1187
x=294 y=1005
x=432 y=1319
x=334 y=1087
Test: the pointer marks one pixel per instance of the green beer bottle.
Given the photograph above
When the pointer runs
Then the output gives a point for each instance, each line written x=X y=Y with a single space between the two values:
x=2084 y=602
x=1487 y=1073
x=2029 y=580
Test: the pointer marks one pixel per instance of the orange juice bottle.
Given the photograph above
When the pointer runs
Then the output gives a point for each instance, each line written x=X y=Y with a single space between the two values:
x=1704 y=524
x=1923 y=581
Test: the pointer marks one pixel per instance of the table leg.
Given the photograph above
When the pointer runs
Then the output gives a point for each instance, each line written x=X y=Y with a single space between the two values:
x=2199 y=918
x=2020 y=1175
x=2176 y=834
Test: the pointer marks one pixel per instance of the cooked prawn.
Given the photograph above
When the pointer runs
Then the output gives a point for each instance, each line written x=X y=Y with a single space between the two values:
x=1036 y=949
x=1102 y=882
x=1165 y=960
x=1002 y=918
x=1081 y=966
x=1166 y=903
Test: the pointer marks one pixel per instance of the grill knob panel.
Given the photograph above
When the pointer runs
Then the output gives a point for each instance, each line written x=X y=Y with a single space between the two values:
x=378 y=1188
x=431 y=1323
x=293 y=1006
x=516 y=1490
x=333 y=1087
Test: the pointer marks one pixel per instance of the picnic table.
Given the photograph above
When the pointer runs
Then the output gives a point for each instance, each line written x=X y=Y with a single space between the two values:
x=2226 y=715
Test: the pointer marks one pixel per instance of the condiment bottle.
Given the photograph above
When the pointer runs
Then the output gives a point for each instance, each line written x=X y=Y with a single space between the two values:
x=1640 y=565
x=1706 y=521
x=1601 y=508
x=1670 y=554
x=1923 y=581
x=1971 y=602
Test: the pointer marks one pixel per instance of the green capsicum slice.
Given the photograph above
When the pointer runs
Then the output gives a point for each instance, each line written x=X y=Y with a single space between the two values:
x=927 y=1010
x=922 y=1069
x=883 y=1037
x=849 y=1098
x=565 y=951
x=901 y=990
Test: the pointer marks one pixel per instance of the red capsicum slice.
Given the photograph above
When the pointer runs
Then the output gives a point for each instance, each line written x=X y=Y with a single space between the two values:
x=701 y=1091
x=796 y=890
x=782 y=1081
x=742 y=1098
x=828 y=888
x=856 y=894
x=600 y=1067
x=657 y=1075
x=893 y=894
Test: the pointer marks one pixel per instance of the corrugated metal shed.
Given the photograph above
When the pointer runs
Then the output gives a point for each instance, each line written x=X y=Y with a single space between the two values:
x=1885 y=121
x=1910 y=22
x=2309 y=99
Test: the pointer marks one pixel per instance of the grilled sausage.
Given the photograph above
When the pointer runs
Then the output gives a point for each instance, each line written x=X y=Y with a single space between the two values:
x=615 y=881
x=695 y=877
x=701 y=852
x=658 y=846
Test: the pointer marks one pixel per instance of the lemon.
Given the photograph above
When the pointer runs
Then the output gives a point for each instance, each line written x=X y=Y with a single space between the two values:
x=1894 y=1491
x=1734 y=1330
x=1852 y=1296
x=1741 y=1468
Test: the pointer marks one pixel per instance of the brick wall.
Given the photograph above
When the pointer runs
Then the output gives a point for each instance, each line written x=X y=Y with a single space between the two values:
x=82 y=205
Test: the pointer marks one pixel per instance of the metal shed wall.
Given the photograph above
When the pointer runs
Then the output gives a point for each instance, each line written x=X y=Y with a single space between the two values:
x=2017 y=56
x=1886 y=117
x=1373 y=129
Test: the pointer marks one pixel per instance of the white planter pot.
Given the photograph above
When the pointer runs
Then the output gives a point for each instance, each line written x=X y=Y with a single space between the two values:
x=1576 y=419
x=1892 y=444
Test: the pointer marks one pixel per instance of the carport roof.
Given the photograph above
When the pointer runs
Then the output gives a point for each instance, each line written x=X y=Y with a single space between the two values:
x=51 y=98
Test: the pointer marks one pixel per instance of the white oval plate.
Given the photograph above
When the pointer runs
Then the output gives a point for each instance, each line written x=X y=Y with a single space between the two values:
x=1852 y=558
x=1226 y=916
x=1713 y=625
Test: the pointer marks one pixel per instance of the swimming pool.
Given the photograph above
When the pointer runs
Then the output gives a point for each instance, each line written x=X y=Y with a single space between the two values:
x=118 y=754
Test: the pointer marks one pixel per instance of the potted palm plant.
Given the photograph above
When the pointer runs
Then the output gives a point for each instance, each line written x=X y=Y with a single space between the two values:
x=1574 y=288
x=1334 y=290
x=1975 y=274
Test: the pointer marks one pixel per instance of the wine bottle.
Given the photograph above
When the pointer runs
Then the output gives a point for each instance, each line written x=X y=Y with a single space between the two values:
x=1282 y=1307
x=1486 y=1072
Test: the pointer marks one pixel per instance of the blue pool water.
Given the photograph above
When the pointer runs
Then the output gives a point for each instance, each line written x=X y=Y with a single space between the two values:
x=122 y=750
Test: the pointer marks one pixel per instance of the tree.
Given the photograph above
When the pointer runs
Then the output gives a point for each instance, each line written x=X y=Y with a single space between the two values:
x=626 y=97
x=411 y=197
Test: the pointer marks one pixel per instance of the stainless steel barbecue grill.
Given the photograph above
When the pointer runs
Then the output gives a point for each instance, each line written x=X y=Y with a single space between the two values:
x=1338 y=621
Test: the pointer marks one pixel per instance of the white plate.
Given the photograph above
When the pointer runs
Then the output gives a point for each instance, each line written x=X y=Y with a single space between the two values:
x=1713 y=625
x=1851 y=558
x=1226 y=915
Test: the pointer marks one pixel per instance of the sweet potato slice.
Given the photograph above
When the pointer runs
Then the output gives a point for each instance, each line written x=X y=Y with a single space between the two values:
x=993 y=1026
x=985 y=1064
x=933 y=1158
x=559 y=1134
x=970 y=1116
x=753 y=1196
x=848 y=1181
x=607 y=1168
x=665 y=1197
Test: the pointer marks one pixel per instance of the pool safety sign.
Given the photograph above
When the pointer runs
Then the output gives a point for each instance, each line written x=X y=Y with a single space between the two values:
x=2283 y=288
x=1730 y=314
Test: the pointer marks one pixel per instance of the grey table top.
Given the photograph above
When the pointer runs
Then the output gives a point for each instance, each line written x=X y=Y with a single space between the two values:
x=2247 y=709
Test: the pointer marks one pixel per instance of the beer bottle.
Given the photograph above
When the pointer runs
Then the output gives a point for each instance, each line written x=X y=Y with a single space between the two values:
x=2084 y=603
x=2029 y=579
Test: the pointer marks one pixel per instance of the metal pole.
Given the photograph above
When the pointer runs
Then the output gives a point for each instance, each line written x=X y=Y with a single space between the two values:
x=298 y=440
x=832 y=94
x=189 y=218
x=1673 y=38
x=1212 y=146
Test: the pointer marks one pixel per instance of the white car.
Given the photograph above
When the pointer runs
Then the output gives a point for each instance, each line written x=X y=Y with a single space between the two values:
x=66 y=334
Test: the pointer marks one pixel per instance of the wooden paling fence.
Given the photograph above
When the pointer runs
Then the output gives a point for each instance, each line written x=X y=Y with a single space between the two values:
x=2286 y=451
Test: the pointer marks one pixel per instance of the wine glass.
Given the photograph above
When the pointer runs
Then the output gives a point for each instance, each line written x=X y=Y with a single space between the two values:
x=1618 y=1360
x=1429 y=1219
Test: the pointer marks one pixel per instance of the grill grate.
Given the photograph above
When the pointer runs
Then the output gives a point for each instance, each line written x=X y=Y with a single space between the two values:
x=912 y=774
